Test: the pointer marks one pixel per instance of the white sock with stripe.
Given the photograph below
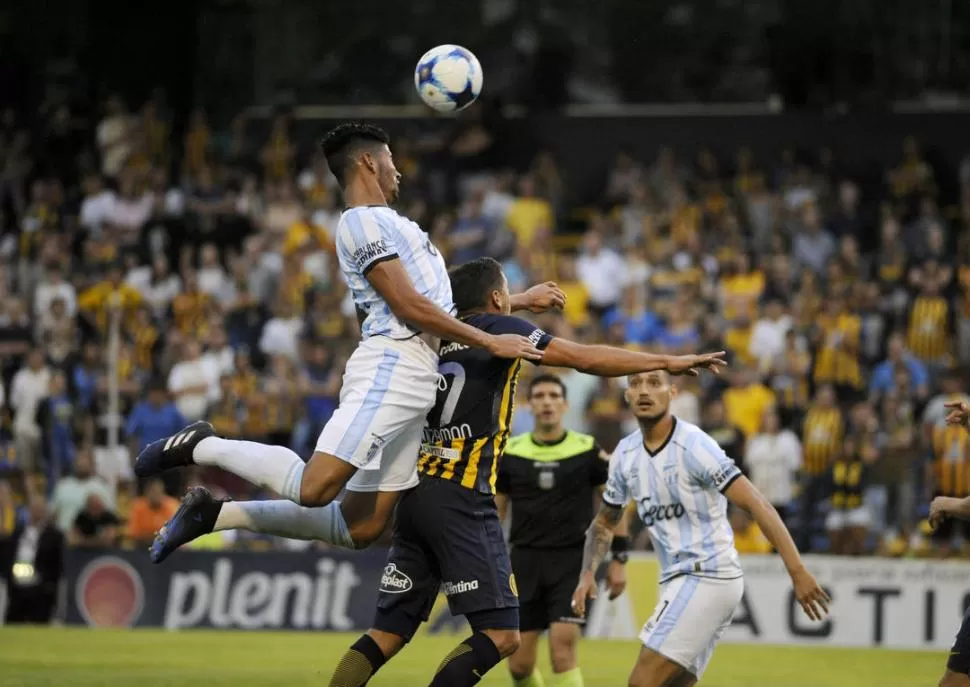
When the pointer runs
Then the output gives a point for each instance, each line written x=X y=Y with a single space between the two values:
x=273 y=467
x=287 y=519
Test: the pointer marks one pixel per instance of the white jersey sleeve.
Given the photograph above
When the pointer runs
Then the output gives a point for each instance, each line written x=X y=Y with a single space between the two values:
x=708 y=464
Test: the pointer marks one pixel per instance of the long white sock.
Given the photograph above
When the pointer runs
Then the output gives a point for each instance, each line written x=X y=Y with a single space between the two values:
x=287 y=519
x=273 y=467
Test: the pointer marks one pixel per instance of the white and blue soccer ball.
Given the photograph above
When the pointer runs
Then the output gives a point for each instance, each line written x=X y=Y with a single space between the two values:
x=448 y=78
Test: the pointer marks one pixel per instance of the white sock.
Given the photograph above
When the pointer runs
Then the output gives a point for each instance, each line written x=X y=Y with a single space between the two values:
x=272 y=467
x=287 y=519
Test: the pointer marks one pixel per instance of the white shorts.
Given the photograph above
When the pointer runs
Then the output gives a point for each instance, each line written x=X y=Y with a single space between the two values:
x=690 y=617
x=388 y=388
x=842 y=519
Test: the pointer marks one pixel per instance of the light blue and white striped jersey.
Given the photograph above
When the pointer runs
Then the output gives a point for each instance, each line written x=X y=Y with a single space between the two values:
x=679 y=496
x=370 y=234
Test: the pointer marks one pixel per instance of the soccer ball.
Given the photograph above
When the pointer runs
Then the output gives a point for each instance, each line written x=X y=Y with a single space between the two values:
x=448 y=78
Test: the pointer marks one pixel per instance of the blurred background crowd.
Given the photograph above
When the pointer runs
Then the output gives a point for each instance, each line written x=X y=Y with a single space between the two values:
x=161 y=264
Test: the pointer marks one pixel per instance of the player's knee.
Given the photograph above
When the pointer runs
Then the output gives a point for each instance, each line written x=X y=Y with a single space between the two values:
x=506 y=641
x=951 y=679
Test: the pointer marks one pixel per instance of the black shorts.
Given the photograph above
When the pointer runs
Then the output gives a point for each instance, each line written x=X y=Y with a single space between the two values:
x=959 y=661
x=450 y=538
x=547 y=579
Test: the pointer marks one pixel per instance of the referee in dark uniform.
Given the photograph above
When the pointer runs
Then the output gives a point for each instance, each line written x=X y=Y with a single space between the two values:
x=550 y=478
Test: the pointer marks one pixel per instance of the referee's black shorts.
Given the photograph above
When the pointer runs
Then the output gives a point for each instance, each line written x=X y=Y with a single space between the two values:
x=547 y=579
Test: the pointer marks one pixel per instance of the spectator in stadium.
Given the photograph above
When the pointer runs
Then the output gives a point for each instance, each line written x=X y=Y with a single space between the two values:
x=848 y=520
x=773 y=458
x=823 y=432
x=11 y=515
x=813 y=246
x=95 y=527
x=154 y=418
x=727 y=434
x=602 y=271
x=31 y=565
x=55 y=417
x=148 y=513
x=190 y=382
x=71 y=493
x=882 y=379
x=29 y=387
x=747 y=399
x=769 y=334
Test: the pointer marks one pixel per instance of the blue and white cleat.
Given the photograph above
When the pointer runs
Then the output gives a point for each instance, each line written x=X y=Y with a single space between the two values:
x=173 y=452
x=196 y=516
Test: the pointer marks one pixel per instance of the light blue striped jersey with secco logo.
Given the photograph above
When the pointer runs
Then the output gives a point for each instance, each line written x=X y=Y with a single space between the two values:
x=678 y=491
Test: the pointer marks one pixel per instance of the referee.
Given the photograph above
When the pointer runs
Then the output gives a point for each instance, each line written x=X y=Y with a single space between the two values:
x=550 y=478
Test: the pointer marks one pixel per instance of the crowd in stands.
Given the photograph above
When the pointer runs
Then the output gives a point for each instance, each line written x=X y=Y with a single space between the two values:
x=196 y=274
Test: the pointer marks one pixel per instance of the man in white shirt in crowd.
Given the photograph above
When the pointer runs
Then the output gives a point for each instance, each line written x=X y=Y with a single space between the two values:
x=28 y=388
x=603 y=273
x=773 y=457
x=71 y=493
x=768 y=335
x=54 y=286
x=190 y=382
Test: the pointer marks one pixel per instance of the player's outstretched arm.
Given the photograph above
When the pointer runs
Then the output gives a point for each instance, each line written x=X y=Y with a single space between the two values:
x=391 y=281
x=810 y=595
x=949 y=506
x=599 y=536
x=539 y=298
x=607 y=361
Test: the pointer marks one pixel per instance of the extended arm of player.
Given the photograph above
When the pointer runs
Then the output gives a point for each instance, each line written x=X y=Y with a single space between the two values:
x=391 y=281
x=949 y=505
x=607 y=361
x=744 y=495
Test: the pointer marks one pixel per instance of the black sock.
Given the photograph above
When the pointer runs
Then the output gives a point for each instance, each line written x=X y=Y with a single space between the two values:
x=467 y=663
x=358 y=665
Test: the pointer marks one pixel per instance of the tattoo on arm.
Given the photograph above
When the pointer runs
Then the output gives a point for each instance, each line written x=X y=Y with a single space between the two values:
x=600 y=535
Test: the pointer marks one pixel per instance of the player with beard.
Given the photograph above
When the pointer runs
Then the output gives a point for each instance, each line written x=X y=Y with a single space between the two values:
x=681 y=482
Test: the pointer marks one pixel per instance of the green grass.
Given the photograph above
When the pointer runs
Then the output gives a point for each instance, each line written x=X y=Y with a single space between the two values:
x=46 y=657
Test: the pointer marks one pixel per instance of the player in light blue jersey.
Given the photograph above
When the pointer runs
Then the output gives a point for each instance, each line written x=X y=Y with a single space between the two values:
x=681 y=482
x=400 y=286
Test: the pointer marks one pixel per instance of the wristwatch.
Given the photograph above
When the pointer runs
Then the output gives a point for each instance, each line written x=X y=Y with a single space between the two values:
x=621 y=557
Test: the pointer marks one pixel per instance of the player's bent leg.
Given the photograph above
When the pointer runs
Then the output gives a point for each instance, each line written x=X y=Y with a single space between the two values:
x=654 y=670
x=563 y=643
x=958 y=664
x=365 y=657
x=522 y=663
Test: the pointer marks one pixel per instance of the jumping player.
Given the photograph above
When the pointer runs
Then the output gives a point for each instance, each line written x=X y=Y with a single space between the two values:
x=679 y=477
x=957 y=673
x=549 y=477
x=400 y=284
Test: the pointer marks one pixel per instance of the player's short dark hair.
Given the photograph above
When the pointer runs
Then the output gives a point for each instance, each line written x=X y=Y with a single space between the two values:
x=473 y=282
x=344 y=141
x=546 y=378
